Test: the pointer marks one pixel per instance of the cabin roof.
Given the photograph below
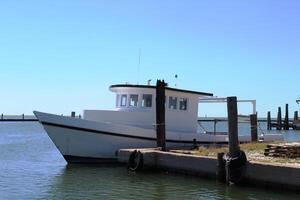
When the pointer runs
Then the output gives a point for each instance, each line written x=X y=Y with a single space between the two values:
x=167 y=88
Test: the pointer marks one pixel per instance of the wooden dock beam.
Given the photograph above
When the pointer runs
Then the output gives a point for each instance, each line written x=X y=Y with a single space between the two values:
x=295 y=115
x=279 y=120
x=253 y=122
x=160 y=114
x=286 y=119
x=269 y=126
x=233 y=142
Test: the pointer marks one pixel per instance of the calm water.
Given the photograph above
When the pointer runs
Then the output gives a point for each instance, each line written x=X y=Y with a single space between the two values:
x=32 y=168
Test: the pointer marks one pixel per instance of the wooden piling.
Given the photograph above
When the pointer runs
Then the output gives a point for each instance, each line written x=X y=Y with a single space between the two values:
x=72 y=114
x=160 y=114
x=233 y=126
x=295 y=115
x=269 y=127
x=279 y=120
x=221 y=172
x=286 y=119
x=253 y=122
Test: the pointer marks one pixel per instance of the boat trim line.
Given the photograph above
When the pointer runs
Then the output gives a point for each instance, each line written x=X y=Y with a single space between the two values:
x=124 y=135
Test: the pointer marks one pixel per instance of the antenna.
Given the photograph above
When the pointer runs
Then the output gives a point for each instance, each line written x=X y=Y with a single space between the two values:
x=139 y=65
x=176 y=78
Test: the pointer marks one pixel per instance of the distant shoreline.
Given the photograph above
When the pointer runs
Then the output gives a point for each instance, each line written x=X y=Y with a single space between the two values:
x=33 y=118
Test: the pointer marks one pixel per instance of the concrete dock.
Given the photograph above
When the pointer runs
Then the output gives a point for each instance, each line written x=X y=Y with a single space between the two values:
x=282 y=176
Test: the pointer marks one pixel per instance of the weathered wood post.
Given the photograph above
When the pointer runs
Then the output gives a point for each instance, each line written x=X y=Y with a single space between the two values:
x=295 y=115
x=221 y=172
x=295 y=119
x=279 y=120
x=286 y=119
x=160 y=114
x=269 y=127
x=73 y=114
x=253 y=122
x=233 y=126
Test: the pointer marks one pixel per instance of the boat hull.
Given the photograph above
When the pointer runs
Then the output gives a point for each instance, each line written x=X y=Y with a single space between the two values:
x=85 y=141
x=90 y=146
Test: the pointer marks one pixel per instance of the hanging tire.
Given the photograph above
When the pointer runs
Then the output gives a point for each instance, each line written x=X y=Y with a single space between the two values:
x=235 y=167
x=136 y=161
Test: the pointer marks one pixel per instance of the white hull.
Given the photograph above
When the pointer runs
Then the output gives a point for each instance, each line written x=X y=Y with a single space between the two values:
x=81 y=140
x=74 y=143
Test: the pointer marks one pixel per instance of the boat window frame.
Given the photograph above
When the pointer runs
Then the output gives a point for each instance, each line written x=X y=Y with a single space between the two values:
x=151 y=102
x=169 y=102
x=123 y=95
x=137 y=100
x=187 y=103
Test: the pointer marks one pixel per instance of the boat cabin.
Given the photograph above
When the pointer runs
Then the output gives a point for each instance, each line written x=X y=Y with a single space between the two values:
x=136 y=106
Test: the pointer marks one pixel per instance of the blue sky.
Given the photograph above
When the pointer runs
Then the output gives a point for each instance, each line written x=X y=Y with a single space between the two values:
x=58 y=56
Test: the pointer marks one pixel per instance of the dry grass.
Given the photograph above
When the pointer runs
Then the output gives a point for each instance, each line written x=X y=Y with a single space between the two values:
x=258 y=147
x=254 y=152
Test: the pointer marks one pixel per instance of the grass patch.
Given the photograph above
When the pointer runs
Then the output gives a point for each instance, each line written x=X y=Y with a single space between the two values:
x=254 y=151
x=257 y=147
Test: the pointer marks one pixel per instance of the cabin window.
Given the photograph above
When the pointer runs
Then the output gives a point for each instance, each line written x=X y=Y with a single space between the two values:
x=123 y=100
x=173 y=103
x=147 y=101
x=133 y=100
x=183 y=103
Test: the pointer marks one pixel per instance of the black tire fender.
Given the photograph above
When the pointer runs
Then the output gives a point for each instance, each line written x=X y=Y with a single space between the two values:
x=135 y=161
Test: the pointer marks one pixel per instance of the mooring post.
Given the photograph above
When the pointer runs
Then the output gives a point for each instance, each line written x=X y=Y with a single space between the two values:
x=279 y=120
x=73 y=114
x=286 y=120
x=221 y=172
x=253 y=122
x=295 y=115
x=160 y=114
x=269 y=127
x=233 y=126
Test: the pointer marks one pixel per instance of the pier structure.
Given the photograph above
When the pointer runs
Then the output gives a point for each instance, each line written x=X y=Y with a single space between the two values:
x=17 y=118
x=257 y=174
x=280 y=124
x=26 y=118
x=270 y=175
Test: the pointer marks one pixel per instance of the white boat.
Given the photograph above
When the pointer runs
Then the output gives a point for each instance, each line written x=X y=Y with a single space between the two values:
x=101 y=133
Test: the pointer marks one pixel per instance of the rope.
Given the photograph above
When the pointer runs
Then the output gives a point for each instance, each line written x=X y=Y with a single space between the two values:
x=161 y=124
